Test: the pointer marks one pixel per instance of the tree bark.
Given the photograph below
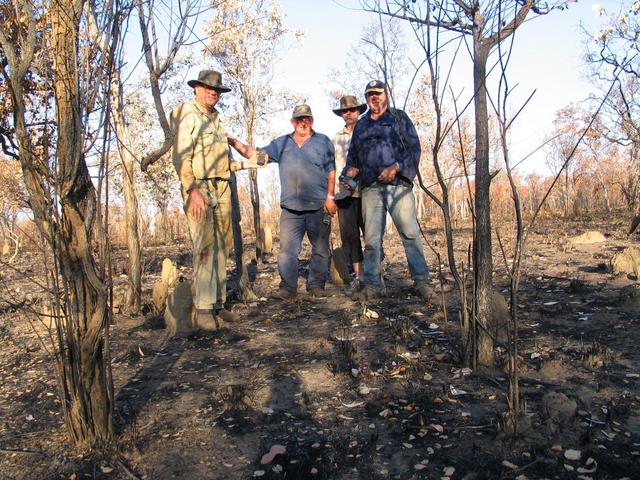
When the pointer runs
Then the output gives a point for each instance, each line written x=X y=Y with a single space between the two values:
x=133 y=294
x=246 y=293
x=84 y=370
x=236 y=218
x=483 y=262
x=255 y=204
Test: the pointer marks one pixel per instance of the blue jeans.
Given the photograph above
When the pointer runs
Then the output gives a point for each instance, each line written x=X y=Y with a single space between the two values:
x=293 y=226
x=399 y=201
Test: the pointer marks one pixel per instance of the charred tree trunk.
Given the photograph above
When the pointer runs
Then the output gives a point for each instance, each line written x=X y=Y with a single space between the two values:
x=85 y=380
x=483 y=261
x=133 y=294
x=255 y=204
x=245 y=291
x=236 y=218
x=83 y=354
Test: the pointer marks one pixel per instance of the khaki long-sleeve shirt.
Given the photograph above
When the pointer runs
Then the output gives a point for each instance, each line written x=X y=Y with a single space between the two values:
x=200 y=148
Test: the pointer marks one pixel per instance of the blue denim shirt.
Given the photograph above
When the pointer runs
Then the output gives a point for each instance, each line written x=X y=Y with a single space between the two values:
x=378 y=144
x=303 y=170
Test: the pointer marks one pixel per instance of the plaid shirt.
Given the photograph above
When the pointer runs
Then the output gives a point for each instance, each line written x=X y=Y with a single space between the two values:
x=378 y=144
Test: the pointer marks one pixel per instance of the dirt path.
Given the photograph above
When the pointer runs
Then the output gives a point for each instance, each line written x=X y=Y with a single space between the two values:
x=353 y=391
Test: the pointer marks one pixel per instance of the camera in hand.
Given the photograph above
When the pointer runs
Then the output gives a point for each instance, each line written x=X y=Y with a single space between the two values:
x=262 y=157
x=326 y=218
x=349 y=181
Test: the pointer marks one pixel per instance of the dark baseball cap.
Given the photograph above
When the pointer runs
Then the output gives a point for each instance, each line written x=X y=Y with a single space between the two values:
x=375 y=86
x=302 y=111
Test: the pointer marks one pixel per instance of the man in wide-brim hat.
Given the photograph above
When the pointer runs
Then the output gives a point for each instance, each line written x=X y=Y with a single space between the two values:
x=211 y=79
x=201 y=158
x=348 y=199
x=350 y=103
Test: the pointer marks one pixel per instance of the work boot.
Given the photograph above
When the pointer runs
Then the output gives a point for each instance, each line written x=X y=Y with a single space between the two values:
x=284 y=294
x=353 y=287
x=226 y=315
x=425 y=291
x=318 y=293
x=367 y=293
x=207 y=321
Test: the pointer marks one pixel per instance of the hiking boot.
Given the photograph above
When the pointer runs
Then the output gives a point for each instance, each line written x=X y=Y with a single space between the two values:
x=227 y=316
x=367 y=293
x=318 y=293
x=425 y=291
x=207 y=321
x=284 y=294
x=353 y=287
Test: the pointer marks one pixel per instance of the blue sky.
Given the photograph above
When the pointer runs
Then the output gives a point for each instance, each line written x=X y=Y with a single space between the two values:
x=548 y=59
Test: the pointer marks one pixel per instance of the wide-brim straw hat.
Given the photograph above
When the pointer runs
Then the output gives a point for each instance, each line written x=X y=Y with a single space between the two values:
x=209 y=78
x=347 y=102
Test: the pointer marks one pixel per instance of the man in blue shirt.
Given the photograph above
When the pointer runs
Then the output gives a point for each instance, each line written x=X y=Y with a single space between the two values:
x=384 y=153
x=307 y=183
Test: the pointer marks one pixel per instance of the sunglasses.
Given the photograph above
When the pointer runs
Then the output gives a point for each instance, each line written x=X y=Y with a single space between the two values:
x=303 y=119
x=349 y=110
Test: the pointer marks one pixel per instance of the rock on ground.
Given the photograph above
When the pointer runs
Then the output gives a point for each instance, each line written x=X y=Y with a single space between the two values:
x=626 y=262
x=267 y=239
x=179 y=311
x=557 y=409
x=498 y=316
x=168 y=280
x=339 y=267
x=587 y=238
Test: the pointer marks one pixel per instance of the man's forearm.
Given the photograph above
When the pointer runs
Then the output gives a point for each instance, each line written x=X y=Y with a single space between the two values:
x=246 y=151
x=185 y=172
x=331 y=184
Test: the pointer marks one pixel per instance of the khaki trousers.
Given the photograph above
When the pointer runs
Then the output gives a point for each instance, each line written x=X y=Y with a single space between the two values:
x=211 y=239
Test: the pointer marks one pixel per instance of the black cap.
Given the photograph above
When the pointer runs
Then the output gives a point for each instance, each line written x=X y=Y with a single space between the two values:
x=375 y=86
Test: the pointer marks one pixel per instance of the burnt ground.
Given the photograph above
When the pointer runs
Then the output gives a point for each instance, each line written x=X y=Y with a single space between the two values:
x=350 y=391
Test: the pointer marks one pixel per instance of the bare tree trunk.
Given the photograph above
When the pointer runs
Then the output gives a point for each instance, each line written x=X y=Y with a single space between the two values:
x=483 y=261
x=236 y=218
x=246 y=293
x=255 y=204
x=133 y=294
x=84 y=368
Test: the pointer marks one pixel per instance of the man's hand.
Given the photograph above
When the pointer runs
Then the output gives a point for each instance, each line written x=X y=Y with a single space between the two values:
x=330 y=206
x=389 y=174
x=351 y=173
x=197 y=204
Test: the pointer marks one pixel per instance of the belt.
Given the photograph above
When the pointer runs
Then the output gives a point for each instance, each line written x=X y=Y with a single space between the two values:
x=215 y=179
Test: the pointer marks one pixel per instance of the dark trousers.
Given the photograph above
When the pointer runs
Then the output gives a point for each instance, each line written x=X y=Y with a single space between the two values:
x=350 y=217
x=293 y=226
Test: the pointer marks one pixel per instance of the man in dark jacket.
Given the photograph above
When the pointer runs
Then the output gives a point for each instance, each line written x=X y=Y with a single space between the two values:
x=384 y=153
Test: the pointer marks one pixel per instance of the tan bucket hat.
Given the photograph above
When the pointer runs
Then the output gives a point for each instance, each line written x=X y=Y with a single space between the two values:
x=348 y=102
x=209 y=78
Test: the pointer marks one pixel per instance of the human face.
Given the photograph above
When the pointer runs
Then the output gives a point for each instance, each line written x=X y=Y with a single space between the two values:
x=377 y=102
x=302 y=126
x=350 y=117
x=207 y=97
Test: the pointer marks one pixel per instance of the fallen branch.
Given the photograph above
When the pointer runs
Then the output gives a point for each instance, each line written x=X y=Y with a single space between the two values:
x=127 y=470
x=15 y=450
